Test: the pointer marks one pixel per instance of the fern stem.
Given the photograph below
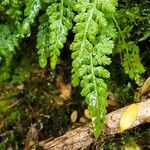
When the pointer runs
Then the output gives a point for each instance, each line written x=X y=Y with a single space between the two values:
x=61 y=15
x=120 y=33
x=87 y=25
x=61 y=12
x=93 y=77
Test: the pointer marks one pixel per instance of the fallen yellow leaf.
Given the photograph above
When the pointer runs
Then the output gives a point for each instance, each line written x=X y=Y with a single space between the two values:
x=132 y=147
x=128 y=117
x=74 y=116
x=146 y=87
x=86 y=113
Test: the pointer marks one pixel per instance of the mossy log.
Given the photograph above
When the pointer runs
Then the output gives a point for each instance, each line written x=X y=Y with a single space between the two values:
x=82 y=137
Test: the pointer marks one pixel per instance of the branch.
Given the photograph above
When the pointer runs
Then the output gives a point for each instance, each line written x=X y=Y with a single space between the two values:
x=82 y=137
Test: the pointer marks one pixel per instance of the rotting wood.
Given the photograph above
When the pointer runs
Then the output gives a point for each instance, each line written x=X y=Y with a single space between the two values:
x=82 y=137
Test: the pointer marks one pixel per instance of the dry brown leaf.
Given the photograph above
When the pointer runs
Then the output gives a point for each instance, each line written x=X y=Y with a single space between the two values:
x=112 y=102
x=128 y=117
x=20 y=87
x=146 y=87
x=82 y=120
x=74 y=116
x=86 y=113
x=64 y=89
x=111 y=96
x=60 y=101
x=31 y=138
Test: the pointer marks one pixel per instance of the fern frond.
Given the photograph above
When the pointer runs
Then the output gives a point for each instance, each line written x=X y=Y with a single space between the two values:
x=91 y=47
x=60 y=21
x=132 y=64
x=8 y=41
x=42 y=41
x=12 y=10
x=31 y=11
x=8 y=44
x=23 y=70
x=15 y=12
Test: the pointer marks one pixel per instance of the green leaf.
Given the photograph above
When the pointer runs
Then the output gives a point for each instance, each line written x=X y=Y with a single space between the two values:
x=42 y=61
x=53 y=31
x=8 y=45
x=31 y=11
x=91 y=47
x=132 y=63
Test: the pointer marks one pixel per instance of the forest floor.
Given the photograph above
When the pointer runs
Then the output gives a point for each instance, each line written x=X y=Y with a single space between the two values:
x=43 y=107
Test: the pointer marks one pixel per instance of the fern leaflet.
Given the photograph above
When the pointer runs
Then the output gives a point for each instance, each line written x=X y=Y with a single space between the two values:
x=131 y=61
x=8 y=44
x=91 y=47
x=60 y=17
x=31 y=11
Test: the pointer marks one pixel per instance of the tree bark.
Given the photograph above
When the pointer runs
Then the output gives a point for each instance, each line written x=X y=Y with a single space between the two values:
x=82 y=137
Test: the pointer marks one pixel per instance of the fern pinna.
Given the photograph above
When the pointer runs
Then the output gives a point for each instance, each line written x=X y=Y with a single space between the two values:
x=131 y=52
x=8 y=46
x=59 y=21
x=30 y=12
x=92 y=44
